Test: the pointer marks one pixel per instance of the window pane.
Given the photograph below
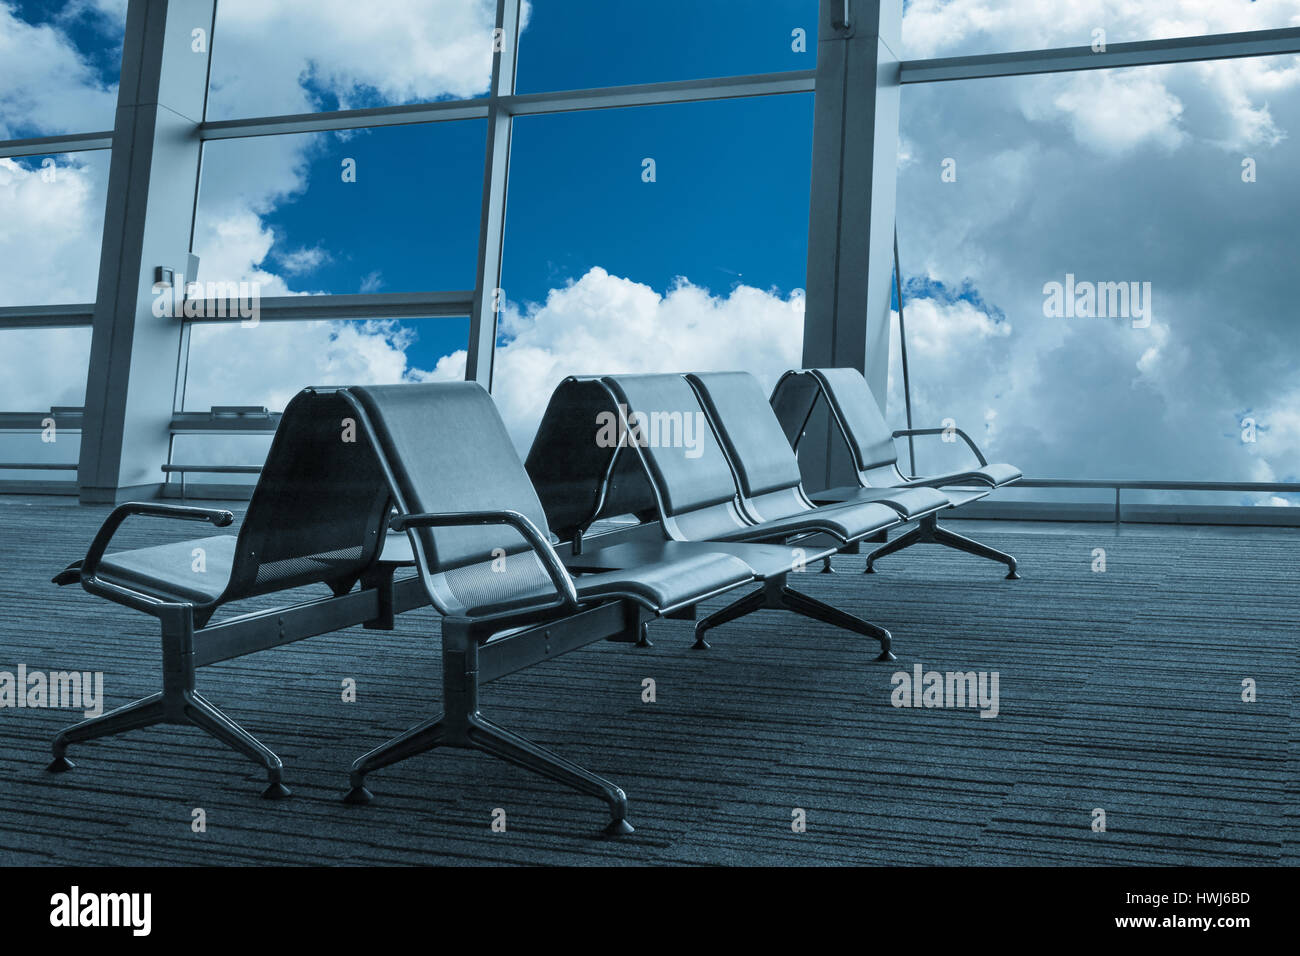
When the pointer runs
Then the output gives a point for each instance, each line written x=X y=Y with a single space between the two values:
x=269 y=363
x=59 y=66
x=394 y=209
x=218 y=450
x=580 y=44
x=934 y=28
x=653 y=239
x=305 y=56
x=51 y=225
x=43 y=368
x=1098 y=270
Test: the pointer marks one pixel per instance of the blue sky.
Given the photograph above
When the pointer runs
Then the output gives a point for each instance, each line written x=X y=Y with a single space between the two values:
x=1110 y=175
x=729 y=203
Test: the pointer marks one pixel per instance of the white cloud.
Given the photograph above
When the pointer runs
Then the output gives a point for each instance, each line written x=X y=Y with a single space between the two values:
x=269 y=363
x=604 y=324
x=46 y=86
x=267 y=58
x=945 y=27
x=1115 y=111
x=306 y=259
x=50 y=228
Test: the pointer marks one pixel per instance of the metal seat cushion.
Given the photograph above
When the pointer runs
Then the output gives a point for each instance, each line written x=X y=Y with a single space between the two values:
x=848 y=522
x=764 y=560
x=910 y=502
x=995 y=474
x=661 y=586
x=172 y=571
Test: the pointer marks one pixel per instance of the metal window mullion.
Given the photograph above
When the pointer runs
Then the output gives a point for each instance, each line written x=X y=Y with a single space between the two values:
x=496 y=174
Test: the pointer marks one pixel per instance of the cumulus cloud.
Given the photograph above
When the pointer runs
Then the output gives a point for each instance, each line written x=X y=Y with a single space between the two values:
x=301 y=56
x=47 y=86
x=602 y=323
x=1125 y=175
x=296 y=56
x=50 y=228
x=269 y=363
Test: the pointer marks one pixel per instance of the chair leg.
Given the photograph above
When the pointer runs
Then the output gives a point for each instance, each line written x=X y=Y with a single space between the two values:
x=199 y=712
x=188 y=709
x=145 y=712
x=490 y=738
x=800 y=603
x=751 y=602
x=959 y=542
x=419 y=739
x=929 y=532
x=906 y=540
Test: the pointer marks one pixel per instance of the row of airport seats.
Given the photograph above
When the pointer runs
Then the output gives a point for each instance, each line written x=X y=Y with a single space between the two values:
x=400 y=497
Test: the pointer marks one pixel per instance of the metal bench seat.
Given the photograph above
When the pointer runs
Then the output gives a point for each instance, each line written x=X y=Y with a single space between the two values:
x=316 y=517
x=870 y=441
x=767 y=468
x=166 y=571
x=342 y=461
x=667 y=467
x=483 y=553
x=912 y=503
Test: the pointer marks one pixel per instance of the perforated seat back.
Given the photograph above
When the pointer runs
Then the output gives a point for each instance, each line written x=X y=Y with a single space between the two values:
x=318 y=512
x=679 y=447
x=869 y=436
x=749 y=430
x=449 y=451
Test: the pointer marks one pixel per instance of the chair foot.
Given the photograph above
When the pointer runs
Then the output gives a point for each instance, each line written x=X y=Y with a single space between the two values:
x=1013 y=576
x=826 y=566
x=619 y=828
x=886 y=656
x=276 y=791
x=753 y=601
x=493 y=739
x=60 y=765
x=801 y=603
x=870 y=570
x=701 y=644
x=358 y=796
x=644 y=639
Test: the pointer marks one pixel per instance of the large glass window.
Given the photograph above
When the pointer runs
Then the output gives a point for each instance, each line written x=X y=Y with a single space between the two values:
x=43 y=368
x=1098 y=270
x=392 y=209
x=304 y=56
x=59 y=66
x=51 y=226
x=653 y=239
x=933 y=28
x=582 y=44
x=267 y=364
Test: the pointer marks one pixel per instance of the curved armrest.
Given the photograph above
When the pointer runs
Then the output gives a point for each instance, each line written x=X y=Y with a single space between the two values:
x=566 y=592
x=86 y=568
x=119 y=514
x=906 y=432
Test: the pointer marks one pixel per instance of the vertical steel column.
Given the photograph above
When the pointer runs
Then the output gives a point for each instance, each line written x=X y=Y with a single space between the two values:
x=851 y=216
x=152 y=186
x=488 y=299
